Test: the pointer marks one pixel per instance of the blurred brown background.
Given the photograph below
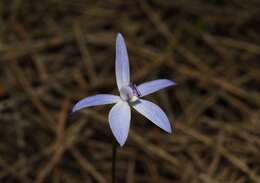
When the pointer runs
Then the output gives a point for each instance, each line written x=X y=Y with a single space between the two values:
x=54 y=52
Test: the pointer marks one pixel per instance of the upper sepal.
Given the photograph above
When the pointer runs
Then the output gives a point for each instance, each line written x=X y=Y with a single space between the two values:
x=122 y=63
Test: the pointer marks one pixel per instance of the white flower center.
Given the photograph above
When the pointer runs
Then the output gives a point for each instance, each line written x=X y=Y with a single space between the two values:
x=130 y=93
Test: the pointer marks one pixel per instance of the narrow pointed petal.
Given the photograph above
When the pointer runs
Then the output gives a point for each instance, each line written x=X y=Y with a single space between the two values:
x=119 y=121
x=153 y=86
x=95 y=100
x=154 y=113
x=122 y=63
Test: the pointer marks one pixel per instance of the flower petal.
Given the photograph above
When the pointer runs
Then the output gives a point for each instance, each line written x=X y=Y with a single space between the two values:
x=95 y=100
x=153 y=86
x=154 y=113
x=119 y=121
x=122 y=63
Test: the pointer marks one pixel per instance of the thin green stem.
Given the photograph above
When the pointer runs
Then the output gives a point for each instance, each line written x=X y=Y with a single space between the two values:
x=114 y=151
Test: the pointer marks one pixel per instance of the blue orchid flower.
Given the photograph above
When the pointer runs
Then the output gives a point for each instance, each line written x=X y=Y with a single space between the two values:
x=130 y=96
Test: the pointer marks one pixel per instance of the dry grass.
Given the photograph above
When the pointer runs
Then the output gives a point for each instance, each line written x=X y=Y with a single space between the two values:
x=53 y=53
